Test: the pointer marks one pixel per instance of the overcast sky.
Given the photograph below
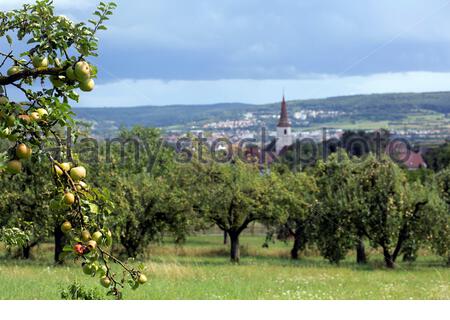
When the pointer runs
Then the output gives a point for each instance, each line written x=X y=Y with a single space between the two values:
x=205 y=51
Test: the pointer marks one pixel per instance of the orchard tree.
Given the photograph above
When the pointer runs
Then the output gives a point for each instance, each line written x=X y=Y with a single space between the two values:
x=440 y=236
x=44 y=72
x=150 y=208
x=297 y=197
x=395 y=212
x=25 y=204
x=151 y=201
x=336 y=230
x=234 y=195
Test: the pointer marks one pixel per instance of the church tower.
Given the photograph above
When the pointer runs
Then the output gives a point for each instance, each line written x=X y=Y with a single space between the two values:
x=284 y=133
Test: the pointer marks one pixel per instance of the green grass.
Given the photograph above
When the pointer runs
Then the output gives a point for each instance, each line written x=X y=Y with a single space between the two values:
x=417 y=121
x=200 y=270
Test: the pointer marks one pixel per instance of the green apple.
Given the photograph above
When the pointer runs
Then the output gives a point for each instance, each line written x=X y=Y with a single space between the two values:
x=35 y=116
x=87 y=85
x=65 y=166
x=40 y=61
x=13 y=70
x=88 y=269
x=70 y=74
x=69 y=198
x=58 y=170
x=66 y=227
x=81 y=186
x=85 y=235
x=10 y=120
x=92 y=244
x=142 y=279
x=78 y=173
x=105 y=281
x=23 y=152
x=14 y=166
x=97 y=236
x=82 y=70
x=3 y=100
x=42 y=112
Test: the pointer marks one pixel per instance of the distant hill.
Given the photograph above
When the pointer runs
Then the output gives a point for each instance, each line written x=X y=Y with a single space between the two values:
x=397 y=108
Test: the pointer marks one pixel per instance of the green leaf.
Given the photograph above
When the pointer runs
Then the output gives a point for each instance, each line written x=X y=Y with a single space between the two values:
x=94 y=208
x=67 y=248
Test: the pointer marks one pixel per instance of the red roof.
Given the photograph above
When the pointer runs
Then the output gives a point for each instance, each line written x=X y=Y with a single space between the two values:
x=400 y=152
x=284 y=118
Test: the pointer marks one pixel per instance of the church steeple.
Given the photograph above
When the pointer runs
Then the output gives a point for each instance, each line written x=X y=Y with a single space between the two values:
x=284 y=118
x=284 y=133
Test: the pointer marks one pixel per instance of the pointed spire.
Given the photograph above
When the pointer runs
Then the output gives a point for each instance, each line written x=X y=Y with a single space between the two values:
x=284 y=118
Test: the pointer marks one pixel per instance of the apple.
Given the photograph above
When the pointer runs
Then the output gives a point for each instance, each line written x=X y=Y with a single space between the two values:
x=70 y=74
x=42 y=112
x=10 y=120
x=142 y=279
x=35 y=116
x=58 y=170
x=79 y=249
x=69 y=198
x=85 y=235
x=23 y=152
x=105 y=281
x=91 y=244
x=25 y=118
x=88 y=269
x=87 y=85
x=82 y=70
x=82 y=186
x=3 y=100
x=97 y=236
x=66 y=227
x=13 y=70
x=14 y=166
x=40 y=61
x=78 y=173
x=65 y=166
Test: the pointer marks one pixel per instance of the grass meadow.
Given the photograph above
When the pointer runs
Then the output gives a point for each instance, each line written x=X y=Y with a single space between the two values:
x=201 y=270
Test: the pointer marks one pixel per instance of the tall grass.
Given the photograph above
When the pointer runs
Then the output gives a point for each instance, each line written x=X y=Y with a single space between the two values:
x=200 y=270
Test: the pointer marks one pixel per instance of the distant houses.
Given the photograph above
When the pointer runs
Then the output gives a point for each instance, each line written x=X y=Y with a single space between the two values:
x=267 y=150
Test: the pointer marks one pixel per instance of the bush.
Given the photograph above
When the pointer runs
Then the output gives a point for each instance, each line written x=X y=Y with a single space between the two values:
x=77 y=291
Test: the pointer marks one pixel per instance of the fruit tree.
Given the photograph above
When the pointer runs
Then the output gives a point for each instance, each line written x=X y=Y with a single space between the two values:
x=45 y=65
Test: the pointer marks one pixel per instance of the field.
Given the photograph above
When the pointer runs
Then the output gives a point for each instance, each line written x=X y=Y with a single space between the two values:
x=200 y=270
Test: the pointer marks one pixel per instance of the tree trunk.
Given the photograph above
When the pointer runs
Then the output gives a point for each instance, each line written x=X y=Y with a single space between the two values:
x=299 y=241
x=59 y=239
x=295 y=249
x=234 y=252
x=388 y=258
x=361 y=257
x=26 y=249
x=225 y=238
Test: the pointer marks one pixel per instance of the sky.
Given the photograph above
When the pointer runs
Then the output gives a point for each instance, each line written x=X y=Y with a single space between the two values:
x=160 y=52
